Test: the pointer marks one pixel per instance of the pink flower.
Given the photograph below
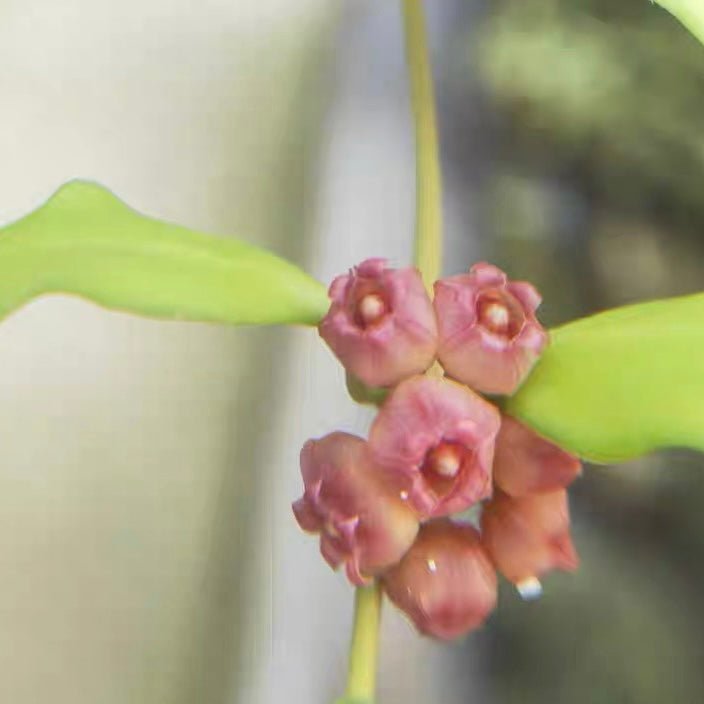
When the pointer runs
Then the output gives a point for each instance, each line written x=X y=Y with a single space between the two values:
x=435 y=437
x=381 y=323
x=362 y=521
x=528 y=536
x=525 y=463
x=489 y=335
x=445 y=583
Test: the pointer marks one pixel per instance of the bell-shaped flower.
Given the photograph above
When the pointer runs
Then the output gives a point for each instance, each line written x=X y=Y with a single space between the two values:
x=489 y=335
x=525 y=463
x=528 y=536
x=381 y=323
x=435 y=438
x=445 y=583
x=363 y=522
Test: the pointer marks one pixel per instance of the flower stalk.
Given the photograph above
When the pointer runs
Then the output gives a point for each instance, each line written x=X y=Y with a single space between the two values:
x=361 y=677
x=428 y=238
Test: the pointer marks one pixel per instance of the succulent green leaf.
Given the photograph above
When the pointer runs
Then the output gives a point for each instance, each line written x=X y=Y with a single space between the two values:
x=85 y=241
x=689 y=12
x=621 y=383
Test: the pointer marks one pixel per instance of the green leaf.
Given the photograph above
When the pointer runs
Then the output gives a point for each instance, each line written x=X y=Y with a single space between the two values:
x=84 y=241
x=689 y=12
x=622 y=383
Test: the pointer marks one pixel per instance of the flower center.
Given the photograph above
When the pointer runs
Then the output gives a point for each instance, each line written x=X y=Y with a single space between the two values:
x=496 y=317
x=442 y=465
x=445 y=459
x=500 y=313
x=370 y=309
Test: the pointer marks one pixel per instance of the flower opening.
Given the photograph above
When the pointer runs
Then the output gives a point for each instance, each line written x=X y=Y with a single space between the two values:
x=381 y=323
x=436 y=438
x=489 y=337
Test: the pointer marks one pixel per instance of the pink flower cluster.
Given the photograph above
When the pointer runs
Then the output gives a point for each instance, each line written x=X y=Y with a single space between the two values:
x=383 y=506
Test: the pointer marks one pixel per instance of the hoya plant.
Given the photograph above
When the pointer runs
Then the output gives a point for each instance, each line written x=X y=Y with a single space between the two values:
x=483 y=416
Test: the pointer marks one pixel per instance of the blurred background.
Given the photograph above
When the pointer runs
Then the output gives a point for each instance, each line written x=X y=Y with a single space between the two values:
x=147 y=550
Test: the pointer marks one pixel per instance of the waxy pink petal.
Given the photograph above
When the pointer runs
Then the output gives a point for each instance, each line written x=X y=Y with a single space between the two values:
x=528 y=536
x=363 y=522
x=445 y=583
x=525 y=463
x=381 y=323
x=435 y=438
x=489 y=337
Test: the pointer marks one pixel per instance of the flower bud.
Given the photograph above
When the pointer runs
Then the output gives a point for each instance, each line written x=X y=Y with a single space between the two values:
x=381 y=323
x=525 y=463
x=528 y=536
x=435 y=438
x=445 y=583
x=489 y=337
x=362 y=520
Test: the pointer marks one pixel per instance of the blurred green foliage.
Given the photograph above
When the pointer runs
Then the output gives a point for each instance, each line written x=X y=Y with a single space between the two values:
x=617 y=87
x=595 y=193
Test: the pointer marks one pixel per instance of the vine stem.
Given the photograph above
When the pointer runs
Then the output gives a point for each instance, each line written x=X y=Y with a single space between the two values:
x=428 y=239
x=361 y=680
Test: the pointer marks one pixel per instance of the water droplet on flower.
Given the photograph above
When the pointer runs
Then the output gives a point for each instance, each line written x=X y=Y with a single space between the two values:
x=530 y=589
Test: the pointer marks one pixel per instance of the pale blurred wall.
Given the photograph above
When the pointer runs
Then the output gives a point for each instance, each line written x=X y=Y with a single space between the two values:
x=148 y=553
x=130 y=450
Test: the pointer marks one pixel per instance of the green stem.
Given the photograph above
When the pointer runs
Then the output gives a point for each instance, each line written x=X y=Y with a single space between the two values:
x=361 y=678
x=428 y=241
